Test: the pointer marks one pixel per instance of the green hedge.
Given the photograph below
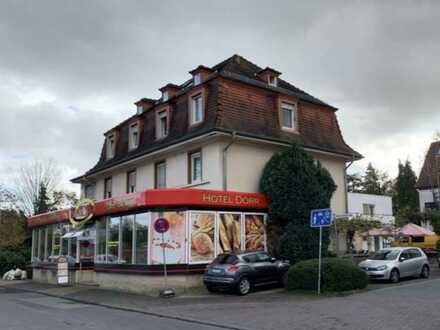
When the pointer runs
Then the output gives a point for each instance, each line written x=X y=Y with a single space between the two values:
x=10 y=259
x=337 y=275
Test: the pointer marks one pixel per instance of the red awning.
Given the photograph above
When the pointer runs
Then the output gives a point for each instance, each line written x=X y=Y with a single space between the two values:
x=154 y=198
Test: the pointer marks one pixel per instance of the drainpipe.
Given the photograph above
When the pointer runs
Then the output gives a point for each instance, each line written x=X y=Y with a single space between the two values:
x=225 y=161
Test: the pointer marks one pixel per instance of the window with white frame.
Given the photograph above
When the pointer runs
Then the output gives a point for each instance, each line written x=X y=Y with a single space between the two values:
x=288 y=116
x=108 y=185
x=368 y=209
x=111 y=145
x=197 y=79
x=196 y=115
x=139 y=109
x=131 y=181
x=160 y=177
x=195 y=167
x=165 y=96
x=161 y=124
x=133 y=136
x=272 y=80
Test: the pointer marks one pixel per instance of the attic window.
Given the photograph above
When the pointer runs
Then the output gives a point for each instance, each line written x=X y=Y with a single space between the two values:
x=111 y=145
x=133 y=137
x=289 y=119
x=197 y=79
x=162 y=124
x=139 y=109
x=165 y=96
x=272 y=80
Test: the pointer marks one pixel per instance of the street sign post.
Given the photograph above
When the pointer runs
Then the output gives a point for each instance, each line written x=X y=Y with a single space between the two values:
x=318 y=219
x=161 y=226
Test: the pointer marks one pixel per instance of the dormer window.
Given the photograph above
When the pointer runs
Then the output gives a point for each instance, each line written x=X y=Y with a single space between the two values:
x=111 y=145
x=288 y=117
x=161 y=124
x=272 y=80
x=165 y=96
x=139 y=109
x=197 y=79
x=196 y=109
x=133 y=136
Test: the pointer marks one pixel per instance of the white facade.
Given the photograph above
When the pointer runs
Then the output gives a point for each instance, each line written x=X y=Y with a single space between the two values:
x=426 y=196
x=375 y=207
x=245 y=162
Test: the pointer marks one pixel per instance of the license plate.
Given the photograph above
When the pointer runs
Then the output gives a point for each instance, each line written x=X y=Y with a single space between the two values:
x=216 y=271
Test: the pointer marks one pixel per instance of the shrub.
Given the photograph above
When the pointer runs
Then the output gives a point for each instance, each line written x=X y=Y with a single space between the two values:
x=295 y=184
x=10 y=259
x=337 y=275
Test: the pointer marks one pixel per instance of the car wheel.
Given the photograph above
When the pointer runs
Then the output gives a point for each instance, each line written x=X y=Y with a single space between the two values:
x=394 y=276
x=425 y=272
x=243 y=286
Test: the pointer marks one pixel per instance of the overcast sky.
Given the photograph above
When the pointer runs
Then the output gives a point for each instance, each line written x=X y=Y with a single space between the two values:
x=70 y=70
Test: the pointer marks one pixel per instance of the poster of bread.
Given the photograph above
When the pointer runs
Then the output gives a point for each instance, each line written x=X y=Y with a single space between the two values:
x=202 y=236
x=254 y=232
x=174 y=239
x=229 y=232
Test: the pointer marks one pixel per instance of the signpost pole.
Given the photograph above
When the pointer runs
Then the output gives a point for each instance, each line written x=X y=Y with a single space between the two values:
x=164 y=262
x=319 y=261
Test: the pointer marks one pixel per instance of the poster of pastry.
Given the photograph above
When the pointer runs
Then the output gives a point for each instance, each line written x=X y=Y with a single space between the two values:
x=174 y=239
x=229 y=232
x=202 y=236
x=254 y=232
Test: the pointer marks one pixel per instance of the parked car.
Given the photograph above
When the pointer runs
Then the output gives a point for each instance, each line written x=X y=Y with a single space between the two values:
x=395 y=263
x=241 y=271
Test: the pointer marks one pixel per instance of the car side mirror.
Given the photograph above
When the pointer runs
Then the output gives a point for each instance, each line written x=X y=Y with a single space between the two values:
x=401 y=259
x=273 y=259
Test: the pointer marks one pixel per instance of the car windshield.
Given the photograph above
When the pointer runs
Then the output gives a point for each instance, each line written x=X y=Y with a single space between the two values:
x=225 y=259
x=385 y=255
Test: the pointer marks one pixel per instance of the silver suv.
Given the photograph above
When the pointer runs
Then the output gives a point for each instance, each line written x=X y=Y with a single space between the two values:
x=395 y=263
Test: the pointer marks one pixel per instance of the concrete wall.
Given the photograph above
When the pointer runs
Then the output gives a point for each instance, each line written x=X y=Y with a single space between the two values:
x=383 y=205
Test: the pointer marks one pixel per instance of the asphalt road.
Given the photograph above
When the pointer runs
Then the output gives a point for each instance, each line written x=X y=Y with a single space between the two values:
x=412 y=304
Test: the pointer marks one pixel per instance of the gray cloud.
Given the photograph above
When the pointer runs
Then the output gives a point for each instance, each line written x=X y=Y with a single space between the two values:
x=71 y=70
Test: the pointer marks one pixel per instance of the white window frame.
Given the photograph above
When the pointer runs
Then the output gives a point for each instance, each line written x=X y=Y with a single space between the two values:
x=193 y=156
x=132 y=129
x=139 y=109
x=129 y=173
x=105 y=187
x=193 y=108
x=292 y=108
x=160 y=131
x=156 y=172
x=272 y=80
x=197 y=79
x=165 y=96
x=110 y=145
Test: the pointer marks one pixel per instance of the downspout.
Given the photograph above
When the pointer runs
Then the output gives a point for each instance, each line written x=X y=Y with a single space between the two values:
x=225 y=162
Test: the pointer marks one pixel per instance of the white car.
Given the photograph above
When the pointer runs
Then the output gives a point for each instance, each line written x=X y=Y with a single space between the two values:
x=395 y=263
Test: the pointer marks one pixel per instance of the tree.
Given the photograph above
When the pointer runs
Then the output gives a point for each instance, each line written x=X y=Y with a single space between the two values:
x=371 y=181
x=354 y=183
x=12 y=229
x=295 y=185
x=36 y=188
x=406 y=198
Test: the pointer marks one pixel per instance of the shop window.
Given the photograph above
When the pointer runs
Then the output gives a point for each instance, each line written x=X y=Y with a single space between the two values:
x=131 y=181
x=254 y=232
x=113 y=240
x=175 y=239
x=229 y=232
x=108 y=187
x=202 y=226
x=195 y=167
x=73 y=245
x=110 y=145
x=196 y=107
x=160 y=177
x=34 y=245
x=142 y=223
x=49 y=240
x=64 y=241
x=133 y=136
x=101 y=238
x=41 y=243
x=56 y=240
x=161 y=124
x=127 y=239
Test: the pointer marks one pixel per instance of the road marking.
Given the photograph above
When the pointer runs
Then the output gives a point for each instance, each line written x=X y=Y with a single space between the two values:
x=404 y=285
